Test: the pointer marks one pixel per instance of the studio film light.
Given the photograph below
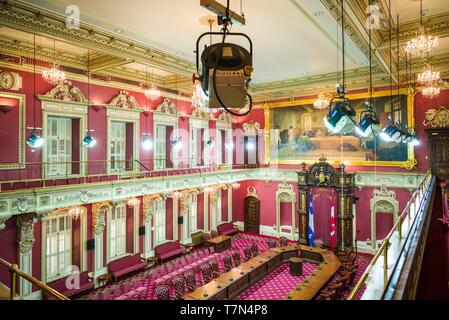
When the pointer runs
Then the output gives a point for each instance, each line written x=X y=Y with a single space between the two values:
x=88 y=140
x=340 y=118
x=368 y=118
x=34 y=140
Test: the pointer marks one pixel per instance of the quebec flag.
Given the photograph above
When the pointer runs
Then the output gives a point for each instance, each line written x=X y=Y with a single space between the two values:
x=310 y=229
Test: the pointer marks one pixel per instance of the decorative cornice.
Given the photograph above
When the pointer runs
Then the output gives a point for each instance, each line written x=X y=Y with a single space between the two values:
x=49 y=199
x=30 y=18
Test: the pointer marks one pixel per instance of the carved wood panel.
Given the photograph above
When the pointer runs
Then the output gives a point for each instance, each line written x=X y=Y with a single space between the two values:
x=439 y=152
x=252 y=214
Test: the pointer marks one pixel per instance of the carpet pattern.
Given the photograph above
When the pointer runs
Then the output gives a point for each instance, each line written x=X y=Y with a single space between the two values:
x=277 y=284
x=273 y=287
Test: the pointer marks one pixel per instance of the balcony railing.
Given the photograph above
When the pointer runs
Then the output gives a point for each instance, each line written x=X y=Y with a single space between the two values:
x=377 y=276
x=37 y=174
x=15 y=271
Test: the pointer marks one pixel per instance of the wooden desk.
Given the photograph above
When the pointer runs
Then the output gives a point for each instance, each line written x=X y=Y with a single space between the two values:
x=257 y=267
x=236 y=281
x=214 y=290
x=220 y=243
x=232 y=283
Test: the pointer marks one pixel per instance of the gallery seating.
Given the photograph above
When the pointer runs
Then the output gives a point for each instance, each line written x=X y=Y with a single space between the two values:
x=227 y=262
x=125 y=265
x=227 y=229
x=272 y=243
x=168 y=250
x=254 y=250
x=237 y=259
x=61 y=287
x=248 y=253
x=215 y=269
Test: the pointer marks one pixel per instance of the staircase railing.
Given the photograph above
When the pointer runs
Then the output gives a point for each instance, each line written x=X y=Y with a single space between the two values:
x=15 y=271
x=378 y=273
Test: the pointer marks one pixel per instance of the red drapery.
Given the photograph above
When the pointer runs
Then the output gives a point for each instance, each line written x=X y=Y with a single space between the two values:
x=322 y=204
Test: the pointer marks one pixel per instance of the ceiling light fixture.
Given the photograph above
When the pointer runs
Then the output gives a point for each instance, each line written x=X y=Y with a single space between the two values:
x=423 y=43
x=322 y=101
x=54 y=74
x=152 y=93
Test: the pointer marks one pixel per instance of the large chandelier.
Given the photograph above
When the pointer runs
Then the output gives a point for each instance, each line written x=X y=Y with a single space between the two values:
x=322 y=102
x=431 y=92
x=54 y=75
x=428 y=77
x=153 y=93
x=423 y=43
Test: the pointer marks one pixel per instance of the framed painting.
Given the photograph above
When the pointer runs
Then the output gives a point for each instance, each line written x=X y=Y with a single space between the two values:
x=295 y=133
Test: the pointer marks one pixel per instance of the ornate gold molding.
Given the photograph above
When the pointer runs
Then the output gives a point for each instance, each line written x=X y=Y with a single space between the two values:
x=437 y=118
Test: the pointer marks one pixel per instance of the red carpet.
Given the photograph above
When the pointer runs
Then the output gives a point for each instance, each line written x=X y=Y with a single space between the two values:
x=434 y=278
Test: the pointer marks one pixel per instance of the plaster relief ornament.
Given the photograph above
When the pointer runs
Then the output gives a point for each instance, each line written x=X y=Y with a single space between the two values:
x=437 y=118
x=25 y=233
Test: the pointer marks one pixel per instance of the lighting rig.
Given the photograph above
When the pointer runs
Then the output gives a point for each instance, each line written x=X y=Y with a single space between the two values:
x=226 y=67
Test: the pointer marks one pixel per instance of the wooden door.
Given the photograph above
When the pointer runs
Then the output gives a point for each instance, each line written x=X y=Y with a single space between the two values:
x=439 y=152
x=252 y=214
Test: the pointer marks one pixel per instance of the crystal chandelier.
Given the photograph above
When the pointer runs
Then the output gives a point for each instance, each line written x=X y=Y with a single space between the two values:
x=75 y=212
x=153 y=93
x=431 y=92
x=322 y=102
x=235 y=185
x=429 y=77
x=200 y=99
x=53 y=75
x=423 y=43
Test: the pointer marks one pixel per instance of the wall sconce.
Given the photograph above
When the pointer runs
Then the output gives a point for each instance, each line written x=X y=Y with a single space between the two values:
x=147 y=144
x=7 y=105
x=97 y=107
x=236 y=185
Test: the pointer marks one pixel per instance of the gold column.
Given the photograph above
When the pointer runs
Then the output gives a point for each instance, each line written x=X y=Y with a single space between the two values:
x=303 y=213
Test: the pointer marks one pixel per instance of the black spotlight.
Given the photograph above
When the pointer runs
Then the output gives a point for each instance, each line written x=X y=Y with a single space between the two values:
x=368 y=118
x=339 y=120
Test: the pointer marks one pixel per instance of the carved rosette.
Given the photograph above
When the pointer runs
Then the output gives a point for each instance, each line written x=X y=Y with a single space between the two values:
x=25 y=233
x=99 y=211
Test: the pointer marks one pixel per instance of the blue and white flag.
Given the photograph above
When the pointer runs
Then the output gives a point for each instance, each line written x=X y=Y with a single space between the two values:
x=311 y=230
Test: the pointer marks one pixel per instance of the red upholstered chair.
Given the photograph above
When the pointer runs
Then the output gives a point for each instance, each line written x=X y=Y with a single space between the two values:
x=179 y=286
x=206 y=237
x=161 y=271
x=129 y=292
x=214 y=267
x=272 y=243
x=211 y=250
x=206 y=272
x=254 y=250
x=214 y=234
x=248 y=253
x=336 y=288
x=283 y=242
x=326 y=295
x=236 y=258
x=163 y=292
x=227 y=262
x=190 y=280
x=169 y=267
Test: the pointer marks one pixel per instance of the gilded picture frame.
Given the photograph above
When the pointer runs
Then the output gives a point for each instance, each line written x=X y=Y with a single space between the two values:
x=409 y=163
x=20 y=164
